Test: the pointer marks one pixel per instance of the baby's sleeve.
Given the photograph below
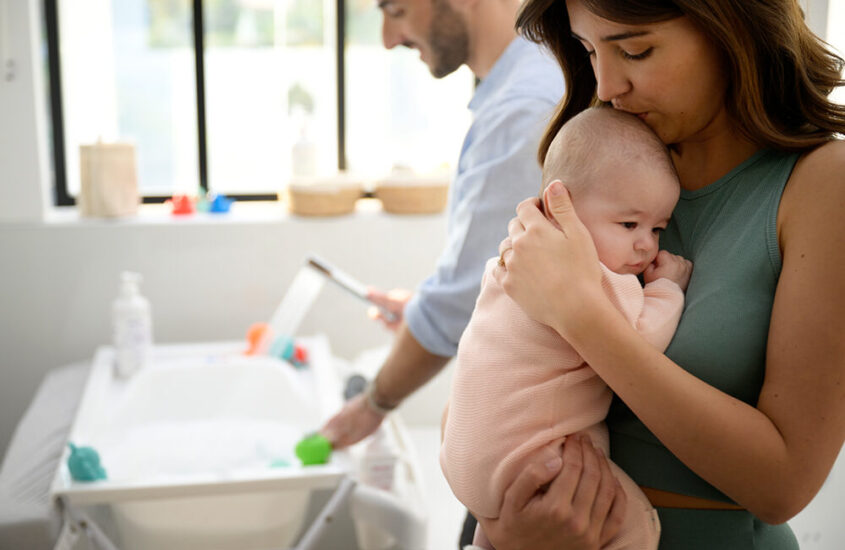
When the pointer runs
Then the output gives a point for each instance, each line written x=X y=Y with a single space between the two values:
x=663 y=303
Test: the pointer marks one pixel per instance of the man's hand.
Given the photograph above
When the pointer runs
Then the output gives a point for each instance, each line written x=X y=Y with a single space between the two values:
x=393 y=301
x=355 y=421
x=669 y=266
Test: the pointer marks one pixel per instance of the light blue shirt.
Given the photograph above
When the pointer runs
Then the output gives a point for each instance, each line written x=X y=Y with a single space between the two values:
x=497 y=169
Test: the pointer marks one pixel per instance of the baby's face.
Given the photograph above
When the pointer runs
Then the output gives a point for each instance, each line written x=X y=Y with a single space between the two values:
x=626 y=213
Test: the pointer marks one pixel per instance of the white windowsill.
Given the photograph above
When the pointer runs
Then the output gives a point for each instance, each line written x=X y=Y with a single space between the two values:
x=241 y=213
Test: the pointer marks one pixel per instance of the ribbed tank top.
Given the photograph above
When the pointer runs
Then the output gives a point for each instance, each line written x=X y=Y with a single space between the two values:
x=728 y=230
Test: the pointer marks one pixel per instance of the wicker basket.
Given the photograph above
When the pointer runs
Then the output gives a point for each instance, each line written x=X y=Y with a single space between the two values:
x=329 y=197
x=411 y=195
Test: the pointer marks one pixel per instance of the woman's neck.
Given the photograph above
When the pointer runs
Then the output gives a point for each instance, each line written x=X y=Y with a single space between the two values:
x=702 y=160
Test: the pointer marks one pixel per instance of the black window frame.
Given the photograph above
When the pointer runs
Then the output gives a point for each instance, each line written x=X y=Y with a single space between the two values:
x=62 y=195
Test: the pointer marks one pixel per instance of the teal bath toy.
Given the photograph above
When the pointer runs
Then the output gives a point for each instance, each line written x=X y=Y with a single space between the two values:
x=314 y=449
x=84 y=464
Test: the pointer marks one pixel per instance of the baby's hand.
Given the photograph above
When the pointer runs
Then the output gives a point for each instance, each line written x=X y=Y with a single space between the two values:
x=669 y=266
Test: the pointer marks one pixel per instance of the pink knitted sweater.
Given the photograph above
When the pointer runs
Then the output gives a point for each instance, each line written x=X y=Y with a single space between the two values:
x=519 y=386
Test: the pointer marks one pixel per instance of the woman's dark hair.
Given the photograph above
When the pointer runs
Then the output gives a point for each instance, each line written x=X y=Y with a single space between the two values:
x=779 y=73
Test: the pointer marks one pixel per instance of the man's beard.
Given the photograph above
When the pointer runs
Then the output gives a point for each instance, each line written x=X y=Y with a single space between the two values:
x=448 y=40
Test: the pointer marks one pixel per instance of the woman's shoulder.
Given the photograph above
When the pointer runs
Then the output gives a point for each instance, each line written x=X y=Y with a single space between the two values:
x=816 y=186
x=825 y=163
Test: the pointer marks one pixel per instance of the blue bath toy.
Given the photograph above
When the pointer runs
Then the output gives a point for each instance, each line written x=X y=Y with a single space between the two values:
x=84 y=464
x=313 y=449
x=220 y=204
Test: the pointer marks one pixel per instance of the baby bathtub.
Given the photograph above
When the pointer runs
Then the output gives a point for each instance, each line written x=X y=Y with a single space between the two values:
x=198 y=448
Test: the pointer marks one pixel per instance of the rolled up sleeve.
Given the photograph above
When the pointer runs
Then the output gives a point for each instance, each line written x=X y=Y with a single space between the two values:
x=497 y=170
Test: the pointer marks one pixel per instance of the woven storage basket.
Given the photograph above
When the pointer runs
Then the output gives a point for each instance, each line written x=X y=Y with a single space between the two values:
x=411 y=195
x=330 y=197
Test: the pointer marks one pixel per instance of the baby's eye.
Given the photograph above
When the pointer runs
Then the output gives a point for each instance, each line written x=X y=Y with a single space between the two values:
x=659 y=230
x=629 y=225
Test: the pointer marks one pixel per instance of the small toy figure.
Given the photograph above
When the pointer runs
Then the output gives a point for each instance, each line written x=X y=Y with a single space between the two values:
x=84 y=464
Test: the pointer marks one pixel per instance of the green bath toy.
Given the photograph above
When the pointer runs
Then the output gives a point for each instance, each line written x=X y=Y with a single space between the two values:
x=84 y=464
x=314 y=449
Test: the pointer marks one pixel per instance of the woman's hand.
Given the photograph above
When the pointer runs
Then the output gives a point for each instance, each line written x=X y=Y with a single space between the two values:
x=582 y=509
x=539 y=261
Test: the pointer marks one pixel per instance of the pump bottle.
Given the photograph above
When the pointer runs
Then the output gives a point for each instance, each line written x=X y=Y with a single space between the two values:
x=132 y=326
x=378 y=464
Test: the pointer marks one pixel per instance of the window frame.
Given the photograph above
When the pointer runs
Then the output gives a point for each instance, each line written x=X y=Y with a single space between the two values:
x=62 y=196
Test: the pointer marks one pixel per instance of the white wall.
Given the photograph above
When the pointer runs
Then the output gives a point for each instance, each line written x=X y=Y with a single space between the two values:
x=23 y=152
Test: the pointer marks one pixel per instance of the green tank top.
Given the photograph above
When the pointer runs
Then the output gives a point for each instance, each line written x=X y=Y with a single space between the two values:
x=728 y=231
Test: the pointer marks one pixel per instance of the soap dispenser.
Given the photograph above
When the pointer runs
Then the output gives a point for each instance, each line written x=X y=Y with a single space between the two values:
x=378 y=464
x=132 y=326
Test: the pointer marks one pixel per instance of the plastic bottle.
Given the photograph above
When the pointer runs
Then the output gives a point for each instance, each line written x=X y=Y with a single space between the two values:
x=132 y=326
x=304 y=154
x=378 y=463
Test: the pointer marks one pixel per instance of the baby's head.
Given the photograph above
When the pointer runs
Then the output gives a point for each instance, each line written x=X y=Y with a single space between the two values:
x=622 y=182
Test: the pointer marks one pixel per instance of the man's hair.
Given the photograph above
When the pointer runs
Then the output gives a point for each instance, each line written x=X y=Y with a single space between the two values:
x=779 y=73
x=598 y=136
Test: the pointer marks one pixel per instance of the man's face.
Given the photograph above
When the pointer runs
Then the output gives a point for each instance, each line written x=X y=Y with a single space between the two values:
x=430 y=26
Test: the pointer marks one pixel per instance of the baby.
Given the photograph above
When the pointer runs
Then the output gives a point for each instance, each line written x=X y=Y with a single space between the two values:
x=518 y=385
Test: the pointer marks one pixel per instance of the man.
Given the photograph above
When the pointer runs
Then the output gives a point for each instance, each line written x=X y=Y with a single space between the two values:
x=520 y=84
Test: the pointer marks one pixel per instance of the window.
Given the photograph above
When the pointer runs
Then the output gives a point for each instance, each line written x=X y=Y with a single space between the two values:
x=225 y=113
x=271 y=83
x=127 y=74
x=386 y=126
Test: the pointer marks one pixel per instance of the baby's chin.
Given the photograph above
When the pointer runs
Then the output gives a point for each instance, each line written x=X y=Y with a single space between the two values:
x=627 y=269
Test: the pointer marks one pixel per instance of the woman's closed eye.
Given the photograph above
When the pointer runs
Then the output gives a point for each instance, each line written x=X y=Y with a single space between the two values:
x=636 y=56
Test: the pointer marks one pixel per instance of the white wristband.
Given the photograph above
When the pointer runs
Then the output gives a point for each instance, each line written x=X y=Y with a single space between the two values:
x=373 y=404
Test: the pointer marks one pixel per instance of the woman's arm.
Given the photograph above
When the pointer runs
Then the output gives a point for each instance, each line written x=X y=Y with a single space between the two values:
x=773 y=458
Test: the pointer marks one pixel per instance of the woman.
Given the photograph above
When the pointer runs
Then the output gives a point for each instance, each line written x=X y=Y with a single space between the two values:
x=734 y=430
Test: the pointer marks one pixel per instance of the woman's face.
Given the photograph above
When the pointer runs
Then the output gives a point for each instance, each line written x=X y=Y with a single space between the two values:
x=667 y=73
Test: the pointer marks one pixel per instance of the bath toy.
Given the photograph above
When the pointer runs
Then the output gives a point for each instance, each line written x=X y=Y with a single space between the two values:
x=84 y=464
x=254 y=334
x=313 y=449
x=203 y=203
x=220 y=204
x=182 y=204
x=300 y=356
x=280 y=463
x=284 y=347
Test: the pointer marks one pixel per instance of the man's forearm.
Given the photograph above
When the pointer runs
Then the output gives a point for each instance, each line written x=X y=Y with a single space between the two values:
x=407 y=368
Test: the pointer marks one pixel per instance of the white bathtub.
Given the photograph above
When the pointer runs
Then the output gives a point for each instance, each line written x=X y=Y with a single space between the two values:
x=190 y=443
